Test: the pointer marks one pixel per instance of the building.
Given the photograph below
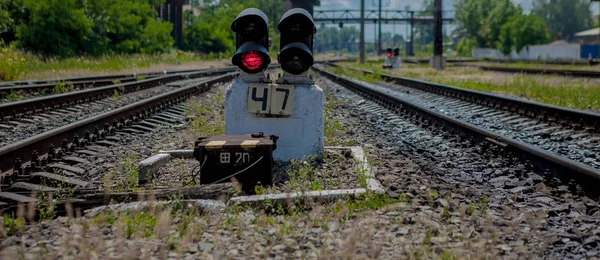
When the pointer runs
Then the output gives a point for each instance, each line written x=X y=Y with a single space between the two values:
x=588 y=37
x=308 y=5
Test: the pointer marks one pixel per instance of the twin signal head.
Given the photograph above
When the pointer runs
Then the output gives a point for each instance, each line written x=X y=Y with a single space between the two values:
x=297 y=28
x=252 y=41
x=389 y=52
x=396 y=52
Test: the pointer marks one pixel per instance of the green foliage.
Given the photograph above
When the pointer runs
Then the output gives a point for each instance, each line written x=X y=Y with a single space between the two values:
x=522 y=31
x=73 y=27
x=143 y=222
x=116 y=95
x=11 y=15
x=501 y=12
x=201 y=36
x=62 y=25
x=335 y=39
x=466 y=46
x=12 y=225
x=12 y=63
x=483 y=19
x=62 y=87
x=564 y=17
x=207 y=121
x=15 y=95
x=126 y=27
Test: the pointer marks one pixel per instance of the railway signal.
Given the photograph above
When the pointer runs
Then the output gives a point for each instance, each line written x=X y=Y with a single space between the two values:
x=396 y=52
x=251 y=41
x=297 y=28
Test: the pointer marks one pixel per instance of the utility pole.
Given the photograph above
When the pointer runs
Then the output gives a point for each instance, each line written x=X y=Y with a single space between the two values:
x=412 y=34
x=379 y=39
x=437 y=61
x=362 y=31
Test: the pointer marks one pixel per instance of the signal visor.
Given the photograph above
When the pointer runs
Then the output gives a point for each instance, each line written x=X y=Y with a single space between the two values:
x=251 y=41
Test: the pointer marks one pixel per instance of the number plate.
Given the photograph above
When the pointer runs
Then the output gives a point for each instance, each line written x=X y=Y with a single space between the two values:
x=259 y=98
x=271 y=99
x=282 y=100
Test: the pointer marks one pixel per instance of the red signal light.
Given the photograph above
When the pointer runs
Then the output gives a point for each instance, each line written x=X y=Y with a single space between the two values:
x=389 y=54
x=252 y=60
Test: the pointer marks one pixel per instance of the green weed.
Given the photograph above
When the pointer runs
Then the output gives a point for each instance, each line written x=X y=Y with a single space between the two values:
x=62 y=87
x=207 y=121
x=13 y=225
x=12 y=63
x=14 y=96
x=116 y=95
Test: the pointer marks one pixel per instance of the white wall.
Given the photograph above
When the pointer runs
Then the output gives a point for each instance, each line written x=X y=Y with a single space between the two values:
x=544 y=52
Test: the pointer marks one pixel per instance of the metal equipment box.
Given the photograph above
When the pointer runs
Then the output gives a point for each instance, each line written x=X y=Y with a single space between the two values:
x=247 y=158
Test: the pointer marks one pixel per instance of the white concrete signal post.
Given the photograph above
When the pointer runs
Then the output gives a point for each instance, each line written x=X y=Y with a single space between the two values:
x=392 y=62
x=292 y=106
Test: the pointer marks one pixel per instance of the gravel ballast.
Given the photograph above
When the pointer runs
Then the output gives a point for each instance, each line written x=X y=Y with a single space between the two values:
x=445 y=198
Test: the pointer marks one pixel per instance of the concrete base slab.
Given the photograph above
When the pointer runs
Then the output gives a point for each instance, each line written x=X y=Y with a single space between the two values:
x=437 y=62
x=316 y=195
x=202 y=205
x=179 y=154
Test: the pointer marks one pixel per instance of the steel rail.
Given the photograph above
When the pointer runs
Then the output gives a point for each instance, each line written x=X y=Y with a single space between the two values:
x=542 y=160
x=578 y=118
x=75 y=85
x=30 y=106
x=94 y=78
x=41 y=142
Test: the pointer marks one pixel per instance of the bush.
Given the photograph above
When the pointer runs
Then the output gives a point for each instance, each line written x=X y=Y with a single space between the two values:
x=12 y=63
x=54 y=27
x=465 y=47
x=72 y=27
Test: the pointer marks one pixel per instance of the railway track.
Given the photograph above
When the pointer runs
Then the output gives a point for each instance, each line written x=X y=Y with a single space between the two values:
x=36 y=88
x=42 y=162
x=92 y=78
x=554 y=141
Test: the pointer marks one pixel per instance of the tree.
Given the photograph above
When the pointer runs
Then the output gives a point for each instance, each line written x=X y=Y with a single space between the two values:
x=127 y=27
x=55 y=27
x=11 y=16
x=501 y=12
x=564 y=17
x=481 y=20
x=466 y=46
x=522 y=31
x=211 y=30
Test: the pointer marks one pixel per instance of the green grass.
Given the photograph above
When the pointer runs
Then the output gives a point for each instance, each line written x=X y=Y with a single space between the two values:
x=207 y=121
x=577 y=94
x=62 y=87
x=564 y=95
x=537 y=65
x=124 y=177
x=16 y=64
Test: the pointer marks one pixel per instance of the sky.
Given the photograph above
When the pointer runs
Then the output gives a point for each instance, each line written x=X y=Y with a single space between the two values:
x=401 y=5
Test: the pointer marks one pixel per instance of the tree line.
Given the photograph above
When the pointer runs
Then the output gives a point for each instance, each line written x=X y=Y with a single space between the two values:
x=65 y=28
x=503 y=25
x=75 y=27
